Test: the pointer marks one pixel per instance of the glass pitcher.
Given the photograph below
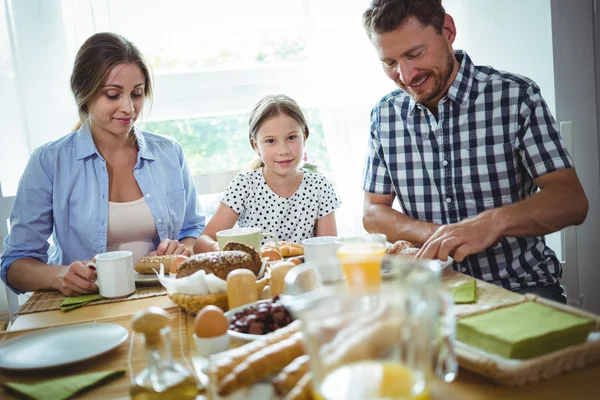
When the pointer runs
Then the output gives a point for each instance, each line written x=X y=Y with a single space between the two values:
x=379 y=342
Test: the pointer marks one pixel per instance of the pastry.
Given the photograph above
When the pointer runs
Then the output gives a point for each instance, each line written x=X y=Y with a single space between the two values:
x=286 y=249
x=263 y=363
x=400 y=245
x=288 y=378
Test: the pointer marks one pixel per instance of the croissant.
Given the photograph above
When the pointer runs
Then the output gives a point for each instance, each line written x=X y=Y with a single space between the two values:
x=303 y=390
x=286 y=249
x=262 y=364
x=285 y=380
x=224 y=365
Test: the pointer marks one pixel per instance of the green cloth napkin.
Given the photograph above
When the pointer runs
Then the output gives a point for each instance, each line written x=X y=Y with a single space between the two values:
x=62 y=388
x=71 y=303
x=465 y=293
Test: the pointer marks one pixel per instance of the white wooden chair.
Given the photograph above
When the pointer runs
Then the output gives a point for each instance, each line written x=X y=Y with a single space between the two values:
x=6 y=204
x=209 y=188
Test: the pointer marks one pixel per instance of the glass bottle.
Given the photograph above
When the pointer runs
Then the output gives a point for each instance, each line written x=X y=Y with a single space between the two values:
x=163 y=378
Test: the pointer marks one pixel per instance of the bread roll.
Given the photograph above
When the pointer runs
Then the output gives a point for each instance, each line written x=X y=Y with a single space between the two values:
x=400 y=245
x=147 y=265
x=221 y=263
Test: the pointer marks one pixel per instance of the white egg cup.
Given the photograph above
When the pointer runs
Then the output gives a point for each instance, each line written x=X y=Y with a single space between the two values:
x=213 y=345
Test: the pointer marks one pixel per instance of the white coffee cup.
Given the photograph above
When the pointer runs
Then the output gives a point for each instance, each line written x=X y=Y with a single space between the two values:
x=322 y=248
x=115 y=273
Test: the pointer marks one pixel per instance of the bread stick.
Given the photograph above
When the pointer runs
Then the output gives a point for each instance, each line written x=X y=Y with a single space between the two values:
x=289 y=376
x=225 y=365
x=262 y=364
x=303 y=390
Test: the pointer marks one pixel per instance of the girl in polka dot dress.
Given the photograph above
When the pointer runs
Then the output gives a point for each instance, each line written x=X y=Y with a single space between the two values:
x=276 y=195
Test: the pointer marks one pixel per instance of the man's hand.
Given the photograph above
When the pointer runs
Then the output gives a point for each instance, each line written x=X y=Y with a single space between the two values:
x=169 y=246
x=462 y=239
x=76 y=279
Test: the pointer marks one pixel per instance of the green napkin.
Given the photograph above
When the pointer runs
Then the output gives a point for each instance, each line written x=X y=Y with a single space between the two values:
x=71 y=303
x=62 y=388
x=465 y=293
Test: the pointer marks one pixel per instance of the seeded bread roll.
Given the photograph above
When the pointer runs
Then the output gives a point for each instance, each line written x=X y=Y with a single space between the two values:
x=234 y=246
x=147 y=265
x=221 y=263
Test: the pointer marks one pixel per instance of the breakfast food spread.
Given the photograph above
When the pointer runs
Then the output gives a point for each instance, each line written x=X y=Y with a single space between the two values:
x=286 y=249
x=221 y=263
x=262 y=318
x=147 y=265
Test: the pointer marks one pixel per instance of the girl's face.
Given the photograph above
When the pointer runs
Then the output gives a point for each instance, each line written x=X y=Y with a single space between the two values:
x=119 y=102
x=280 y=144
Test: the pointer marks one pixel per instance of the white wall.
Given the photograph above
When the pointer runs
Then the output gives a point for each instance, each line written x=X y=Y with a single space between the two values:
x=576 y=101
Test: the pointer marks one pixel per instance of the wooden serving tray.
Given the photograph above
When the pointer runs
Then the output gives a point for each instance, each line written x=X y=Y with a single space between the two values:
x=513 y=373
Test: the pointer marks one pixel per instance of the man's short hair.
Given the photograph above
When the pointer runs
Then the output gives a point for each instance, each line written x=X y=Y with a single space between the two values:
x=385 y=16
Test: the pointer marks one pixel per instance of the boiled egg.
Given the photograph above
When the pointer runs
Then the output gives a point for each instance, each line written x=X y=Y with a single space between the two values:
x=210 y=322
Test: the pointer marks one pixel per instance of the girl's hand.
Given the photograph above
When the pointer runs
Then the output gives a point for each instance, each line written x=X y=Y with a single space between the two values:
x=215 y=247
x=76 y=279
x=169 y=246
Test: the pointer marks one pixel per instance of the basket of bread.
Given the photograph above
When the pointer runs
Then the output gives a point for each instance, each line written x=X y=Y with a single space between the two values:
x=216 y=277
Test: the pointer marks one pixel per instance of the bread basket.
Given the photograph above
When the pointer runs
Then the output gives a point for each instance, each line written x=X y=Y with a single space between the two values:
x=194 y=303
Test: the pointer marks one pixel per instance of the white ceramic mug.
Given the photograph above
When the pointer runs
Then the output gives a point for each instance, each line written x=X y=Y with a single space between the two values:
x=115 y=273
x=322 y=248
x=250 y=236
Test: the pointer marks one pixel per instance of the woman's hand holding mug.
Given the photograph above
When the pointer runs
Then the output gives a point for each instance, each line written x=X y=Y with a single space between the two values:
x=76 y=279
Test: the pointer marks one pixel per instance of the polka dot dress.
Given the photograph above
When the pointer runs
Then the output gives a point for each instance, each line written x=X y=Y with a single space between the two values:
x=291 y=219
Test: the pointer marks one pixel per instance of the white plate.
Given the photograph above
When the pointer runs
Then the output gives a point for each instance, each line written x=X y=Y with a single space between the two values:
x=447 y=263
x=146 y=279
x=61 y=346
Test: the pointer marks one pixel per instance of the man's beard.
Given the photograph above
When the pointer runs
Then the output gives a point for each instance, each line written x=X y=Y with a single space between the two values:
x=439 y=81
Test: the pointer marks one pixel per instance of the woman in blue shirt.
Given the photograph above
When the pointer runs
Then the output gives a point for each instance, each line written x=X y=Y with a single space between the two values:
x=107 y=186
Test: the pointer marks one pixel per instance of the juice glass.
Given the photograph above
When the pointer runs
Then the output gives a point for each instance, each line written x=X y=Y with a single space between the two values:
x=361 y=263
x=376 y=342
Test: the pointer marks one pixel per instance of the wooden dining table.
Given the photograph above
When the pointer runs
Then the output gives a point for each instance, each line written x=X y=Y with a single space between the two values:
x=583 y=384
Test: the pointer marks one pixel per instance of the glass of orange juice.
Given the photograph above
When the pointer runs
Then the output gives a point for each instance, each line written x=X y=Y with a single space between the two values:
x=378 y=341
x=361 y=262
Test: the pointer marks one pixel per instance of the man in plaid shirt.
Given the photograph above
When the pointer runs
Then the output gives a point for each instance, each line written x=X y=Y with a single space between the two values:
x=465 y=149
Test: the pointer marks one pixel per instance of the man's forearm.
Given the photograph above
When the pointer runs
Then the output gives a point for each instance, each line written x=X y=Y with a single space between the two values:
x=548 y=211
x=29 y=274
x=381 y=218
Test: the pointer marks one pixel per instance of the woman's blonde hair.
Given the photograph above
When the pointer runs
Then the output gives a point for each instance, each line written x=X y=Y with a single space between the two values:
x=95 y=59
x=269 y=107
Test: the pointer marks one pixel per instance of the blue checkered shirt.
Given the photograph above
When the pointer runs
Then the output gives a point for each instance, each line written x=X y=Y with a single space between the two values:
x=494 y=136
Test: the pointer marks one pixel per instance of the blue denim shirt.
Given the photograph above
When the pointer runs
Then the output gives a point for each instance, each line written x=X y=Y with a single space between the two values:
x=64 y=193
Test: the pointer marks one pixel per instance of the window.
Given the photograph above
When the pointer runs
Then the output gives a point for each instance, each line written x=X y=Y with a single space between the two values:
x=220 y=143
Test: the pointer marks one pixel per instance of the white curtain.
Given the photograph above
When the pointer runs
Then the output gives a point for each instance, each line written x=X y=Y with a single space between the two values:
x=349 y=81
x=35 y=103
